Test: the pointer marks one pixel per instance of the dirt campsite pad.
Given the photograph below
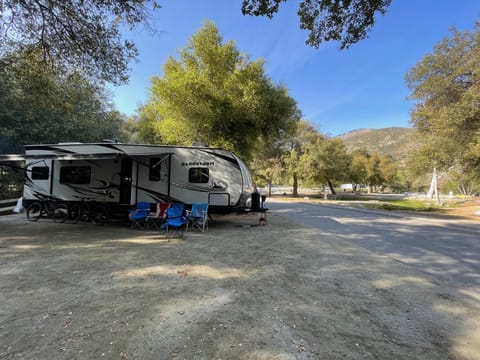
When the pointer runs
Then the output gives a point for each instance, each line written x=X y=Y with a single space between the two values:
x=238 y=291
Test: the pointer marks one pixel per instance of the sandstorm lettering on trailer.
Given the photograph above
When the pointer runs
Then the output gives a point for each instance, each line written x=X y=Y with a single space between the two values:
x=197 y=163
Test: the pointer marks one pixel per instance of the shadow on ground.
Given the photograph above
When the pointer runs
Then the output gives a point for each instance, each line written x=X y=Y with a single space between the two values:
x=237 y=291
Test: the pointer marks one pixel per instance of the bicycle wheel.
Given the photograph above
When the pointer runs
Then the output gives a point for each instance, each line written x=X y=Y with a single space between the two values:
x=34 y=211
x=75 y=213
x=60 y=213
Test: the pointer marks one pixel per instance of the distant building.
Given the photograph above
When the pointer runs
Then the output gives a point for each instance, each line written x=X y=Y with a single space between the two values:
x=352 y=187
x=346 y=187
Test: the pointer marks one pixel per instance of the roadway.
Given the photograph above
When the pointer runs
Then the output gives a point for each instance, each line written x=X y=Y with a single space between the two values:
x=446 y=248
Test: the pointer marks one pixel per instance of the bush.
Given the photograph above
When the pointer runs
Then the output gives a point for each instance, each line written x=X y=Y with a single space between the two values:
x=11 y=183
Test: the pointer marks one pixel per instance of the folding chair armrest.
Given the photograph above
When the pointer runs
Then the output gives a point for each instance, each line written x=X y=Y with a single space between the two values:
x=181 y=217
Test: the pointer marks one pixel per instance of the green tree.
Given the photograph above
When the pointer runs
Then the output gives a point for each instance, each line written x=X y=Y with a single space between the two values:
x=327 y=20
x=326 y=161
x=389 y=172
x=461 y=182
x=267 y=170
x=358 y=168
x=130 y=130
x=295 y=147
x=293 y=169
x=212 y=94
x=42 y=105
x=82 y=34
x=446 y=87
x=280 y=160
x=372 y=169
x=374 y=175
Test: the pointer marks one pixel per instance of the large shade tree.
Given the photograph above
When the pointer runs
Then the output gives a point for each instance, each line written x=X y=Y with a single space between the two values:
x=213 y=94
x=327 y=20
x=266 y=170
x=279 y=160
x=374 y=174
x=83 y=34
x=373 y=169
x=325 y=161
x=446 y=87
x=295 y=146
x=41 y=105
x=357 y=171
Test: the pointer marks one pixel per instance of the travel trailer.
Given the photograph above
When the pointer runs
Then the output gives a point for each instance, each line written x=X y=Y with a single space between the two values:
x=120 y=175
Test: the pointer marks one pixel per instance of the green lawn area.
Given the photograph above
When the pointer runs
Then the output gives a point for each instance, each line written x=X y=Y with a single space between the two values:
x=410 y=205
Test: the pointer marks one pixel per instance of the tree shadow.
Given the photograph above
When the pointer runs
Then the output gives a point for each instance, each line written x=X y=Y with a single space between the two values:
x=276 y=291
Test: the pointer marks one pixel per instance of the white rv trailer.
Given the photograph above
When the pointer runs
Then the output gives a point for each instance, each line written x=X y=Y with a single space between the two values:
x=120 y=175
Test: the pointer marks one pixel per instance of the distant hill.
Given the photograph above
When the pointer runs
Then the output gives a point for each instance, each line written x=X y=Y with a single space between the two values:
x=394 y=141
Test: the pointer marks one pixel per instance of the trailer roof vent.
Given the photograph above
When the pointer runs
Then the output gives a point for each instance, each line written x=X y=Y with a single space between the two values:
x=113 y=141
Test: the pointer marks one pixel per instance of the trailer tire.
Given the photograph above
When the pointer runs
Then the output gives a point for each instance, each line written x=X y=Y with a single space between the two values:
x=60 y=213
x=99 y=215
x=75 y=213
x=34 y=211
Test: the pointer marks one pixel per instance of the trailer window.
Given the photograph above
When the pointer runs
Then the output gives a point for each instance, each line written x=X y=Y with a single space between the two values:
x=198 y=175
x=75 y=175
x=155 y=167
x=40 y=172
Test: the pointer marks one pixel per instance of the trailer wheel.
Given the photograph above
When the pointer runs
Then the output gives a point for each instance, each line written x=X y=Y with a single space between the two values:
x=99 y=215
x=60 y=213
x=75 y=213
x=34 y=211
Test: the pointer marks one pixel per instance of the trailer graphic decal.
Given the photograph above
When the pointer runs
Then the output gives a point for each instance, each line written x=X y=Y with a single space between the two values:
x=106 y=189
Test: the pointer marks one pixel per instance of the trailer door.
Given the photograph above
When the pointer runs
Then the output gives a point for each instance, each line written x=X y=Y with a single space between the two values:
x=126 y=181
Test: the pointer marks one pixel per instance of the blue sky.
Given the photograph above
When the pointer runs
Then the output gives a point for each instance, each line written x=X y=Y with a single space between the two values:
x=338 y=91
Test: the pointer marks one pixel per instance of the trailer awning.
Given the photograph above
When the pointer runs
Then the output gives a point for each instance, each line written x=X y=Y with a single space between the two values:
x=63 y=156
x=12 y=158
x=70 y=156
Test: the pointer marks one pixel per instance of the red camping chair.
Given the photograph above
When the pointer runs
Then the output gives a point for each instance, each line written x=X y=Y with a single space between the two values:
x=158 y=219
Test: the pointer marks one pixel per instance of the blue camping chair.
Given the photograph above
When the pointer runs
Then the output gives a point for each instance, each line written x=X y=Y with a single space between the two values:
x=138 y=216
x=198 y=217
x=175 y=221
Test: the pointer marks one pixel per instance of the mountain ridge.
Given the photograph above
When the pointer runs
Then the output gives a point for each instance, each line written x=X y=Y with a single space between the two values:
x=396 y=142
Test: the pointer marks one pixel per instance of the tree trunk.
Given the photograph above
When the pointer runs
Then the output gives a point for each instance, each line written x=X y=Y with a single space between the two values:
x=330 y=185
x=295 y=185
x=269 y=189
x=433 y=191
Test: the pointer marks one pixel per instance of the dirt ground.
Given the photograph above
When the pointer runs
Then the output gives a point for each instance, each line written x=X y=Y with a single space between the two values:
x=237 y=291
x=468 y=208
